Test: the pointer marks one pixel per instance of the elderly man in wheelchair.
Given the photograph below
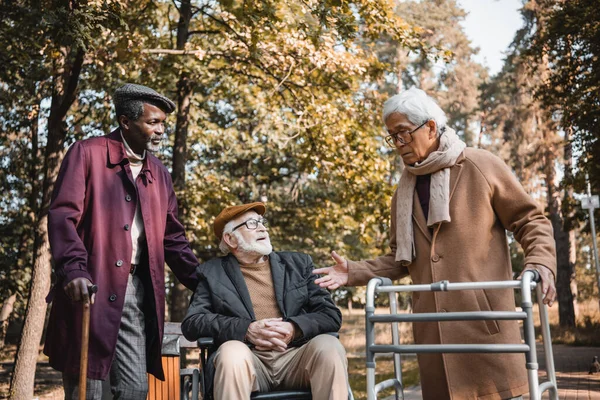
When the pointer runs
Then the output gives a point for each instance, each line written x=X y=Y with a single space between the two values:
x=267 y=317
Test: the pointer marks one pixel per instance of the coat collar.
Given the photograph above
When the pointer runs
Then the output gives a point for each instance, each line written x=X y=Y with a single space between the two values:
x=455 y=173
x=116 y=150
x=118 y=156
x=278 y=274
x=418 y=215
x=231 y=266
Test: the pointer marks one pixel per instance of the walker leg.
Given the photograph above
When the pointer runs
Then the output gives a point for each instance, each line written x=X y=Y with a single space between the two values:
x=398 y=387
x=548 y=355
x=371 y=383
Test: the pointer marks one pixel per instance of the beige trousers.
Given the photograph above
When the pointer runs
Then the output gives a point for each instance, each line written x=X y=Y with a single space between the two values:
x=319 y=365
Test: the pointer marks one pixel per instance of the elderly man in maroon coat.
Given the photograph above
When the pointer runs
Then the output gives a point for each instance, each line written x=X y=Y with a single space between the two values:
x=113 y=223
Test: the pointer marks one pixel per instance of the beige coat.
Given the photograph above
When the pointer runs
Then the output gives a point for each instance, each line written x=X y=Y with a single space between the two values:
x=486 y=200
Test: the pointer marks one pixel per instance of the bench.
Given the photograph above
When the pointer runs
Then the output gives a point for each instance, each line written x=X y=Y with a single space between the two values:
x=179 y=382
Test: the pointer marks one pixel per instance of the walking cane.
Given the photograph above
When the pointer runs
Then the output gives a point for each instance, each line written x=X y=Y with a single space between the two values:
x=85 y=338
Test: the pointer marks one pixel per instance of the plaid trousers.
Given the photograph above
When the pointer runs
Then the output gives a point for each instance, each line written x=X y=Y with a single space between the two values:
x=128 y=379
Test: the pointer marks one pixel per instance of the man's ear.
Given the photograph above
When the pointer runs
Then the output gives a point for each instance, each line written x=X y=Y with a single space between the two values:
x=230 y=240
x=432 y=129
x=124 y=122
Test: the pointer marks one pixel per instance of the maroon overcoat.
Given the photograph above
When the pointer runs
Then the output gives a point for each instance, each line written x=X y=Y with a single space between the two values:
x=92 y=210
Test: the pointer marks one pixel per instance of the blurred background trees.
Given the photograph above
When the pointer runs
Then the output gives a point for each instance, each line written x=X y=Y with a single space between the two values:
x=280 y=101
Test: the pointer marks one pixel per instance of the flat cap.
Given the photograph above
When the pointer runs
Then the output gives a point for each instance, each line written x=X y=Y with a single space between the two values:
x=131 y=91
x=232 y=212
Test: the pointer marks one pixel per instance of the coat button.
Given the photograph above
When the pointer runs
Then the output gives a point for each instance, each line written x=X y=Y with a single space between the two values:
x=435 y=258
x=128 y=198
x=112 y=297
x=126 y=227
x=119 y=263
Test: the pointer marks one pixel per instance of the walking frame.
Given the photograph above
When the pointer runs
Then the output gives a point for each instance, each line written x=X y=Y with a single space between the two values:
x=526 y=285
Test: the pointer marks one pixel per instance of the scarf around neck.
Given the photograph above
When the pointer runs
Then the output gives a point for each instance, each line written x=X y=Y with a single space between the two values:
x=437 y=164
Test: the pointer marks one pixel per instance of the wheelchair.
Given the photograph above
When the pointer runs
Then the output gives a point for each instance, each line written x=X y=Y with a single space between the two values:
x=207 y=347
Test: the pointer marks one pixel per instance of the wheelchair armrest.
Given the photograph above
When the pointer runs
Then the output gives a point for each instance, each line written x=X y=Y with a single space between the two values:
x=205 y=342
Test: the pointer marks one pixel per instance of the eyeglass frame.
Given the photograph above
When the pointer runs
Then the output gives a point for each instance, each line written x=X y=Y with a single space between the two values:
x=263 y=221
x=394 y=137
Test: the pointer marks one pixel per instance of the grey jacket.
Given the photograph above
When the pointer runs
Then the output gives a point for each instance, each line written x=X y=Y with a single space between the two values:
x=221 y=307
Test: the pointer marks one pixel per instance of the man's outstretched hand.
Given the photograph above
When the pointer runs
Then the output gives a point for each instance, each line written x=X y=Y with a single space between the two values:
x=335 y=276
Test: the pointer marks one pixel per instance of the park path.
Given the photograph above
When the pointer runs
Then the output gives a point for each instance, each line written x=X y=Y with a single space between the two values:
x=571 y=364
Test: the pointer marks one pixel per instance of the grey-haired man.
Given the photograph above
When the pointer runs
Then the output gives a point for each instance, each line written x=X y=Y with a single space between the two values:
x=113 y=222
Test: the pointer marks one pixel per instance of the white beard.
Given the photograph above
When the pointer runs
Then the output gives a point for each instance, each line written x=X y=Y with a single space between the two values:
x=262 y=248
x=151 y=147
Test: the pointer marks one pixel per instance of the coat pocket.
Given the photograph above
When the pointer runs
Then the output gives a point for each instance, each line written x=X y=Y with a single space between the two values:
x=484 y=305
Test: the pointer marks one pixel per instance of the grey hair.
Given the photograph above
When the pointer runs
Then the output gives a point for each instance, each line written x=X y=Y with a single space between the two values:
x=417 y=106
x=133 y=109
x=223 y=246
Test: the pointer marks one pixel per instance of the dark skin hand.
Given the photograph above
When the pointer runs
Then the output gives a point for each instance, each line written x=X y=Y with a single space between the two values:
x=77 y=291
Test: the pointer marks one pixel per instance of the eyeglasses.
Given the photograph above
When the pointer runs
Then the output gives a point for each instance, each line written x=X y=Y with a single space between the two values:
x=404 y=137
x=252 y=224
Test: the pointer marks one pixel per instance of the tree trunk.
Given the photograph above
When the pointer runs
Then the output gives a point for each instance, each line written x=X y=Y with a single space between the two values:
x=64 y=92
x=564 y=269
x=27 y=235
x=179 y=294
x=567 y=211
x=482 y=129
x=7 y=309
x=572 y=261
x=566 y=311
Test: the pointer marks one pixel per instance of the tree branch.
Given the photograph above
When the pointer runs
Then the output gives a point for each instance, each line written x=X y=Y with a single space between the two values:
x=71 y=87
x=202 y=32
x=182 y=52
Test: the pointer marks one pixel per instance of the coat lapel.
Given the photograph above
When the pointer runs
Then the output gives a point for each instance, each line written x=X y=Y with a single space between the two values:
x=278 y=275
x=455 y=173
x=232 y=269
x=419 y=217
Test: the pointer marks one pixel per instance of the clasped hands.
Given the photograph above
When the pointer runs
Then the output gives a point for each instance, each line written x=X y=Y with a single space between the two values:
x=270 y=334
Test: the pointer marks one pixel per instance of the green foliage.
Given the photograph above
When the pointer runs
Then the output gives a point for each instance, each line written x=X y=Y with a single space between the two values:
x=40 y=39
x=571 y=42
x=284 y=107
x=534 y=111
